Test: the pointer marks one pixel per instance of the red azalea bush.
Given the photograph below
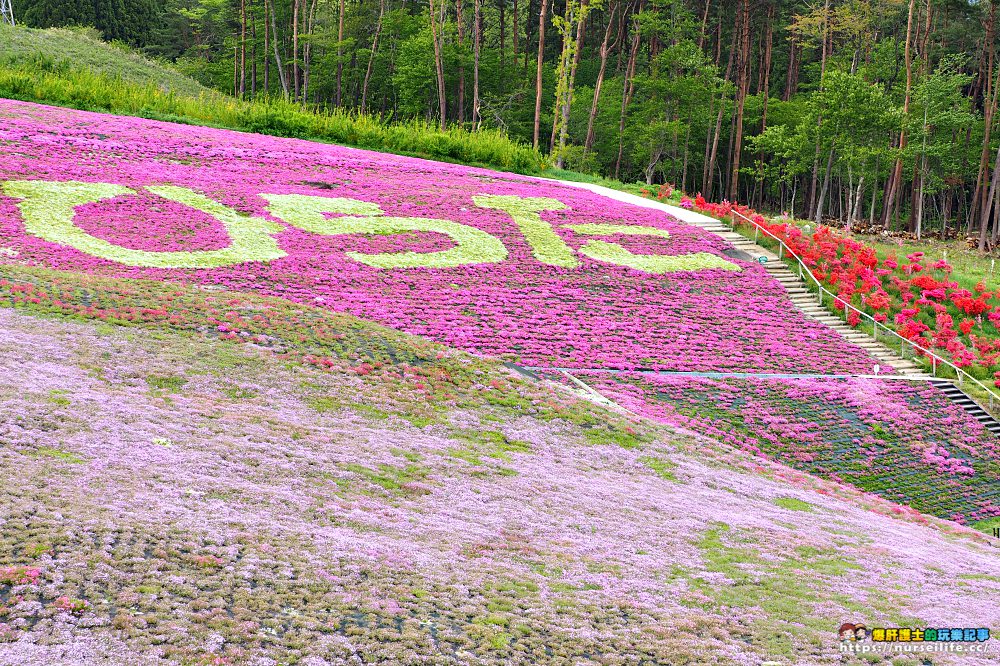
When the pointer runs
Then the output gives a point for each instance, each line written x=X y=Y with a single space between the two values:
x=916 y=296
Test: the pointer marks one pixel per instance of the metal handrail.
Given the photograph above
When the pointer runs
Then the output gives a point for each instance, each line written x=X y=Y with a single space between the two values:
x=805 y=270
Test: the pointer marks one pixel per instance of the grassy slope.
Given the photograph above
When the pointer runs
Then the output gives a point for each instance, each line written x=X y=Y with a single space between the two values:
x=209 y=498
x=85 y=50
x=117 y=81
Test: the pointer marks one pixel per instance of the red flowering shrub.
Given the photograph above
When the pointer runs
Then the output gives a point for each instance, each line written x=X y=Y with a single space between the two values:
x=909 y=293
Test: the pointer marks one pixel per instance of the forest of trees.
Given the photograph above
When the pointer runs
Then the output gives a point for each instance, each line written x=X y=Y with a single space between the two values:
x=873 y=112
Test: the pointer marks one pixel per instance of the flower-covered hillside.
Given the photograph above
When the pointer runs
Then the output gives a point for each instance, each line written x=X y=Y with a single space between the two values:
x=487 y=262
x=905 y=441
x=167 y=498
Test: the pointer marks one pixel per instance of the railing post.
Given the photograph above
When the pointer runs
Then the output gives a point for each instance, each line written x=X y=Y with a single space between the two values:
x=801 y=277
x=756 y=233
x=934 y=365
x=781 y=249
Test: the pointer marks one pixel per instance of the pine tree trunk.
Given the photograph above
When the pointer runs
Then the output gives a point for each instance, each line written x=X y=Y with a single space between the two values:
x=340 y=53
x=826 y=185
x=978 y=200
x=713 y=155
x=439 y=65
x=987 y=208
x=627 y=89
x=371 y=58
x=819 y=121
x=605 y=49
x=267 y=58
x=295 y=47
x=503 y=42
x=243 y=48
x=460 y=30
x=857 y=203
x=708 y=144
x=253 y=52
x=307 y=54
x=898 y=169
x=791 y=80
x=517 y=29
x=282 y=77
x=567 y=101
x=477 y=30
x=743 y=30
x=704 y=24
x=538 y=74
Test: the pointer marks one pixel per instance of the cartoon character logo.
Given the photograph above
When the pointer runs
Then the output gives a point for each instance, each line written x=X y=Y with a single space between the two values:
x=852 y=632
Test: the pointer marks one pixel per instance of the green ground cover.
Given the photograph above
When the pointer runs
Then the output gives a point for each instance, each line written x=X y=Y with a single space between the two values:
x=93 y=76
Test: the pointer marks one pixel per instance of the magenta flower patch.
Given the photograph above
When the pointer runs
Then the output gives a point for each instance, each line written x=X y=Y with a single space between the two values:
x=492 y=263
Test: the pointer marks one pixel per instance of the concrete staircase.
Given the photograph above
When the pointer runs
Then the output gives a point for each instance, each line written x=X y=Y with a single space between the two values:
x=959 y=397
x=806 y=301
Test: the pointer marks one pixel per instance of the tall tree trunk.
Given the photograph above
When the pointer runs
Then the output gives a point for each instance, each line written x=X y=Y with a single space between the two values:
x=990 y=107
x=439 y=65
x=704 y=24
x=477 y=31
x=628 y=87
x=766 y=66
x=460 y=30
x=826 y=185
x=572 y=49
x=765 y=89
x=538 y=73
x=897 y=173
x=570 y=76
x=267 y=58
x=338 y=99
x=985 y=216
x=743 y=30
x=307 y=53
x=684 y=167
x=295 y=47
x=856 y=206
x=819 y=121
x=705 y=175
x=791 y=79
x=253 y=52
x=282 y=77
x=243 y=48
x=503 y=41
x=371 y=58
x=517 y=29
x=714 y=153
x=920 y=196
x=605 y=49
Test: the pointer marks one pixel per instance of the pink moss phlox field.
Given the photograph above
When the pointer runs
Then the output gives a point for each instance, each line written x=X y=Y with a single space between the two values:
x=902 y=440
x=594 y=314
x=229 y=520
